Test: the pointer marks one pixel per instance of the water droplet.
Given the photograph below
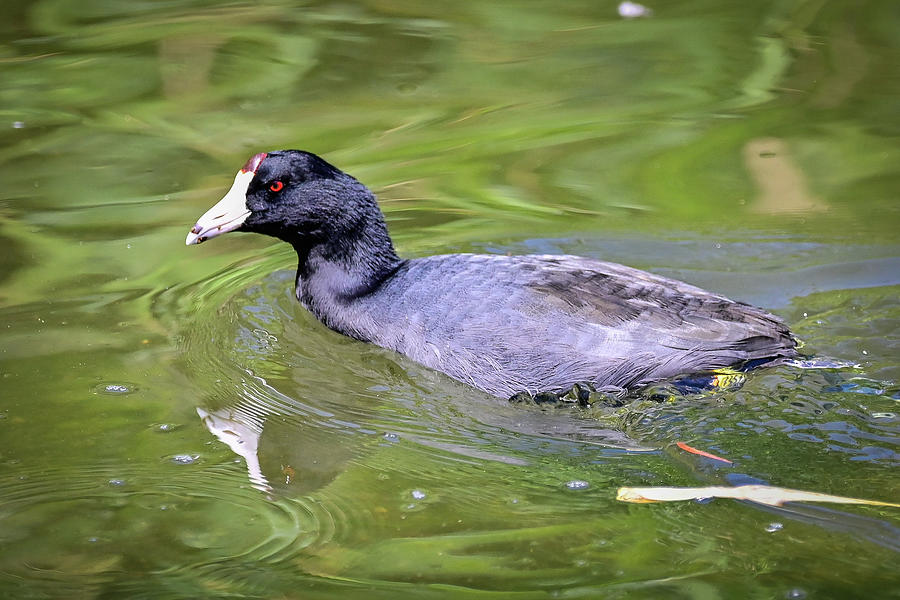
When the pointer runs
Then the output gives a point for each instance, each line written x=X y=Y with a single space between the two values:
x=578 y=484
x=775 y=526
x=418 y=494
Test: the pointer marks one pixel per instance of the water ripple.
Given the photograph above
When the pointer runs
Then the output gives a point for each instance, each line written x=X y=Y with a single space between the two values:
x=103 y=516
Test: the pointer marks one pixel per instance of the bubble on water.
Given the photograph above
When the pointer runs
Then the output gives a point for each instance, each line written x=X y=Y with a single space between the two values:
x=115 y=389
x=18 y=124
x=392 y=437
x=185 y=459
x=796 y=594
x=117 y=482
x=774 y=526
x=166 y=427
x=415 y=500
x=578 y=484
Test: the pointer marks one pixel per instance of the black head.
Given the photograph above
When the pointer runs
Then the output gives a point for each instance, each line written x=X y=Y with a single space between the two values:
x=292 y=195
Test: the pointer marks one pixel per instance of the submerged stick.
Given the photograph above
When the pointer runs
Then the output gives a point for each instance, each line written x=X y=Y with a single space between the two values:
x=703 y=453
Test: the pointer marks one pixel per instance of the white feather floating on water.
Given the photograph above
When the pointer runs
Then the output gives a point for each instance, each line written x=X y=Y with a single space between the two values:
x=763 y=494
x=633 y=10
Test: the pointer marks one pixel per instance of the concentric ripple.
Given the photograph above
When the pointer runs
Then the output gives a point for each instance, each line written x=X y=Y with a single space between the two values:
x=272 y=363
x=107 y=518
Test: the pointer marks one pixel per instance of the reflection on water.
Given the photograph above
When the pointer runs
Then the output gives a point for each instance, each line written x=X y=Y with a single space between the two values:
x=240 y=433
x=177 y=425
x=781 y=183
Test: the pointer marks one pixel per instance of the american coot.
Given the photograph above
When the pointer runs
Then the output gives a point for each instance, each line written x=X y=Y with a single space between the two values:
x=504 y=324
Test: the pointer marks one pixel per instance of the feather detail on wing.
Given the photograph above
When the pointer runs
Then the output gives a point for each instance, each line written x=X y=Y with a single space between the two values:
x=707 y=330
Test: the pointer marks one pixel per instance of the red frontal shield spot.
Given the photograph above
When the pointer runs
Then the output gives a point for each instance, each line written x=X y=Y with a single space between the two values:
x=253 y=164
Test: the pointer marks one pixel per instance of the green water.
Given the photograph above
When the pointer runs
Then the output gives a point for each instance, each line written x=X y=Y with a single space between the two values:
x=175 y=425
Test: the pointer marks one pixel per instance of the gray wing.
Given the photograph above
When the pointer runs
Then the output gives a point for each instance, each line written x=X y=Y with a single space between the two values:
x=678 y=323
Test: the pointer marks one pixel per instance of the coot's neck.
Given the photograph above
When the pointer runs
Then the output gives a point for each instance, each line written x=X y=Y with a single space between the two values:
x=342 y=267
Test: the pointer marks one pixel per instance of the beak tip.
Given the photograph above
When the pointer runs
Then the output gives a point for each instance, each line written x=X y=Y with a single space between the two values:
x=194 y=237
x=229 y=213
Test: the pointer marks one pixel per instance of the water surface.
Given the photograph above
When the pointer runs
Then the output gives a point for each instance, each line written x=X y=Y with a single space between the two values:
x=175 y=425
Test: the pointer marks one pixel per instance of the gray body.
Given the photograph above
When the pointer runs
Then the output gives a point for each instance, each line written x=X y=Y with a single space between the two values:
x=507 y=324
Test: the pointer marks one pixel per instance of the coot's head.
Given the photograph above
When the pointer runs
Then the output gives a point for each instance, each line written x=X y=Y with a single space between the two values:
x=292 y=195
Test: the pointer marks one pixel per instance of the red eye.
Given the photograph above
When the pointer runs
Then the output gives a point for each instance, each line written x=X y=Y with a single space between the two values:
x=276 y=186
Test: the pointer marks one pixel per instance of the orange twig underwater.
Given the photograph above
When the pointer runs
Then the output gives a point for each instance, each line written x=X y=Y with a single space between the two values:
x=687 y=448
